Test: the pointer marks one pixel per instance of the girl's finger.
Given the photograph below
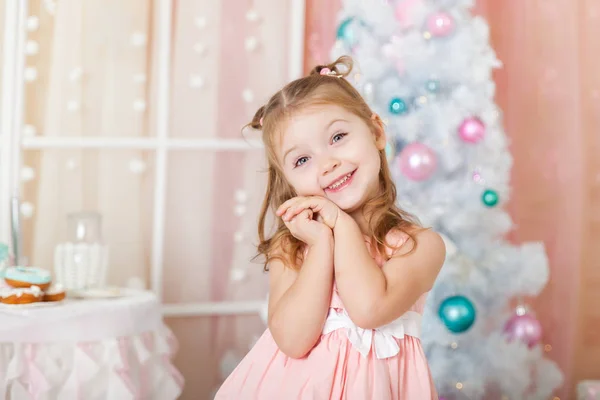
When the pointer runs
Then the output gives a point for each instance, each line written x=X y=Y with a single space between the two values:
x=303 y=215
x=282 y=208
x=313 y=203
x=293 y=211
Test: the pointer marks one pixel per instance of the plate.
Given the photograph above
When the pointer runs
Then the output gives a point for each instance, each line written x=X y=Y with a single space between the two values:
x=96 y=293
x=32 y=305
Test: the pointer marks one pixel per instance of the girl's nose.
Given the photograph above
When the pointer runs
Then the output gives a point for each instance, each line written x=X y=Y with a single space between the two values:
x=329 y=165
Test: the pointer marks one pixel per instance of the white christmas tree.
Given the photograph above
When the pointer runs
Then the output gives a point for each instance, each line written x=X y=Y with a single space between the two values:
x=425 y=67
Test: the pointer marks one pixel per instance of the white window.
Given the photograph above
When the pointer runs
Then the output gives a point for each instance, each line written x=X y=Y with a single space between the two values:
x=134 y=110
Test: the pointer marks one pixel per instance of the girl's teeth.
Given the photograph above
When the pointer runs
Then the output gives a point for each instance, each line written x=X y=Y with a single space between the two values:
x=339 y=183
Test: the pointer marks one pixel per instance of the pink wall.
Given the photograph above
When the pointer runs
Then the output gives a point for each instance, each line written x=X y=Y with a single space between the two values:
x=550 y=97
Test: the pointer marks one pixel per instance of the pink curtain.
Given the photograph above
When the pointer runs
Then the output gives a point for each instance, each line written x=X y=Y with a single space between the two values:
x=550 y=93
x=239 y=48
x=549 y=90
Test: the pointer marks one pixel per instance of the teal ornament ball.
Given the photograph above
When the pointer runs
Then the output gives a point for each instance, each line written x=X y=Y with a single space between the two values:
x=345 y=32
x=433 y=86
x=490 y=198
x=457 y=313
x=398 y=106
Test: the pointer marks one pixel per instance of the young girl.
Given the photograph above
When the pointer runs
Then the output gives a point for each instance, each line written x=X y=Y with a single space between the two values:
x=349 y=270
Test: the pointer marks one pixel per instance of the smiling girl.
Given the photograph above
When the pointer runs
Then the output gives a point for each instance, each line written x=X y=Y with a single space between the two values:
x=349 y=270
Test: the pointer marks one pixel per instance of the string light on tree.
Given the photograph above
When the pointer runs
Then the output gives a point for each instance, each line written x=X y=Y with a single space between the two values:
x=368 y=91
x=477 y=178
x=432 y=85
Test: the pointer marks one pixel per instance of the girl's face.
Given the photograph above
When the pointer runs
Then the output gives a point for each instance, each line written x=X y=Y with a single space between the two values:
x=328 y=151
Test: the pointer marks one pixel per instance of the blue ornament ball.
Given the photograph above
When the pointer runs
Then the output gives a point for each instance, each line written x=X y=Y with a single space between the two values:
x=398 y=106
x=457 y=313
x=345 y=32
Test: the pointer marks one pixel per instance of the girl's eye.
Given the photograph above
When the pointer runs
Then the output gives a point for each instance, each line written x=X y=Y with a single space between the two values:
x=301 y=161
x=337 y=137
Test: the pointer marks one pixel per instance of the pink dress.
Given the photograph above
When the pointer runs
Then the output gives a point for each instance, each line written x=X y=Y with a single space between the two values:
x=347 y=363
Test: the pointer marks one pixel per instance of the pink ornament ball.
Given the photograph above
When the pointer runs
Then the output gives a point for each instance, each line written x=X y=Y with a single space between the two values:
x=471 y=130
x=417 y=162
x=440 y=24
x=525 y=328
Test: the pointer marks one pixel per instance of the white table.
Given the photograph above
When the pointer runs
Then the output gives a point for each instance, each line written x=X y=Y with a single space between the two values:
x=92 y=349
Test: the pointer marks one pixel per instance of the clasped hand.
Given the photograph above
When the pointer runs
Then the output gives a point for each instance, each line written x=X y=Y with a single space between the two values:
x=309 y=219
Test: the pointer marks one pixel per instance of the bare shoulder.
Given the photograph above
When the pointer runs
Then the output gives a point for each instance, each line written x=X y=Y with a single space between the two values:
x=430 y=241
x=416 y=239
x=420 y=258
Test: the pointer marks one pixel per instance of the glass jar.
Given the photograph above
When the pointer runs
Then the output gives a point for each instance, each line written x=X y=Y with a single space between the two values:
x=82 y=261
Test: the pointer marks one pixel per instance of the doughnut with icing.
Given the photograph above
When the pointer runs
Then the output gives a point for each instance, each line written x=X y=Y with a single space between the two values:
x=24 y=277
x=21 y=295
x=55 y=293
